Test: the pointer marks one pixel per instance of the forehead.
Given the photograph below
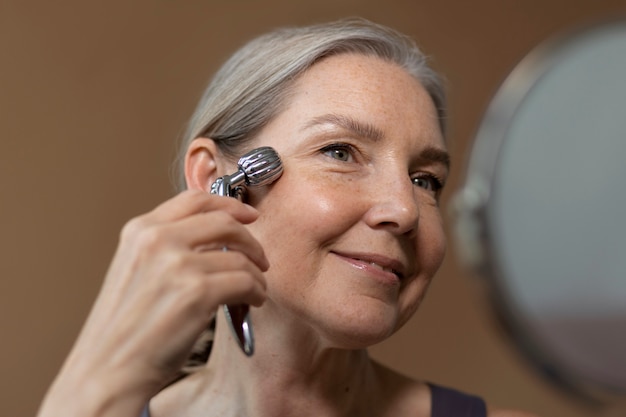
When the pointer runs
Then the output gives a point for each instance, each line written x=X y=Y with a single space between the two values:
x=369 y=89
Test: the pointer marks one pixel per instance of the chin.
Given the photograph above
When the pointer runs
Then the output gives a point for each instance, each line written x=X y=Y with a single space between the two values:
x=355 y=340
x=359 y=331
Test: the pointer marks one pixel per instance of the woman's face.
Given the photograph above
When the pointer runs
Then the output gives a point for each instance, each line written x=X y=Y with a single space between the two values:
x=352 y=229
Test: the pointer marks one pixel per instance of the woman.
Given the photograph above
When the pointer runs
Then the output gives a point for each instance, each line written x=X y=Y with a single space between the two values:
x=335 y=256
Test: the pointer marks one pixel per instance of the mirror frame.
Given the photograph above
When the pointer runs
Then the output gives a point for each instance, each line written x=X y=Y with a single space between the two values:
x=473 y=231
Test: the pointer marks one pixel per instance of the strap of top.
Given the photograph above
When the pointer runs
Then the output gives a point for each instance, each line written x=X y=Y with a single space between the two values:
x=447 y=402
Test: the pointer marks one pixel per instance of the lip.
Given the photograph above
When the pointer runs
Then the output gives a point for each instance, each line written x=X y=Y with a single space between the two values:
x=375 y=263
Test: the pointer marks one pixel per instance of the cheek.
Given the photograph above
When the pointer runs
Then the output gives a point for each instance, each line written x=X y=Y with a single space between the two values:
x=299 y=217
x=431 y=239
x=299 y=220
x=310 y=203
x=430 y=252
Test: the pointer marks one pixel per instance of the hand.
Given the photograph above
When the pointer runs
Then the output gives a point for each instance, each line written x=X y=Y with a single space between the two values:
x=166 y=279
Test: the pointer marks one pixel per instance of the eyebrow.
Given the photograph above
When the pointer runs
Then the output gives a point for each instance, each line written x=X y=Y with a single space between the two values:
x=364 y=130
x=368 y=131
x=436 y=155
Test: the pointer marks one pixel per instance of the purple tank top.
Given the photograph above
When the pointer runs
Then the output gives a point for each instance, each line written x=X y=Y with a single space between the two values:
x=447 y=402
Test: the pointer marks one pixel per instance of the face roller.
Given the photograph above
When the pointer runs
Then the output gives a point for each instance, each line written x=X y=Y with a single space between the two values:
x=261 y=166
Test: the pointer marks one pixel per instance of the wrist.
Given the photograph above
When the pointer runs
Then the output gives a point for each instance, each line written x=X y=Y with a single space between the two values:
x=93 y=396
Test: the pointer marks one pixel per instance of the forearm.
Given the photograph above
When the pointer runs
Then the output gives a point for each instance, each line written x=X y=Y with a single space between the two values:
x=76 y=394
x=98 y=381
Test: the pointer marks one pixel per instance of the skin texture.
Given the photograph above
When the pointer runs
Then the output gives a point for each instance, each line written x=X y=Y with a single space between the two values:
x=334 y=256
x=336 y=205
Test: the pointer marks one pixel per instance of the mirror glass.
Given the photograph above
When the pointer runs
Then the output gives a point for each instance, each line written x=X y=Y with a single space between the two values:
x=543 y=211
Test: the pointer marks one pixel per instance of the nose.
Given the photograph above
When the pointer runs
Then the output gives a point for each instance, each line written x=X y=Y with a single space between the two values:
x=394 y=205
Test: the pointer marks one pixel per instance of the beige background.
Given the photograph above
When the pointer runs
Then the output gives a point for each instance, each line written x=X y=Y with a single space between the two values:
x=93 y=96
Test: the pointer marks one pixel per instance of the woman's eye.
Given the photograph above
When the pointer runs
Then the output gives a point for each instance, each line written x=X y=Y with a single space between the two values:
x=340 y=152
x=428 y=182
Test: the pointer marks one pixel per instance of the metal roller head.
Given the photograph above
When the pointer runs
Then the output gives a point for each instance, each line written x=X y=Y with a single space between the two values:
x=260 y=166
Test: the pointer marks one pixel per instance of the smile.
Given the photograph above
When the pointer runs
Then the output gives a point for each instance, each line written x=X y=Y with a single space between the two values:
x=382 y=268
x=374 y=262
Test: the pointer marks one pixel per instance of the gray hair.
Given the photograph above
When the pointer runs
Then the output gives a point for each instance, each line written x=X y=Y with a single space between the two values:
x=251 y=88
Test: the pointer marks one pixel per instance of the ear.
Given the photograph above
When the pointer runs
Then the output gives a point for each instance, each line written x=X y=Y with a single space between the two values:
x=202 y=164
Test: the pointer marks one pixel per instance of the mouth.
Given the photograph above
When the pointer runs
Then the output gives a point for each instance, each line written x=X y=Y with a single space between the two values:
x=376 y=262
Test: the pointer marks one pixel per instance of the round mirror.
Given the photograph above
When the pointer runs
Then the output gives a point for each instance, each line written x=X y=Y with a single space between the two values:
x=542 y=214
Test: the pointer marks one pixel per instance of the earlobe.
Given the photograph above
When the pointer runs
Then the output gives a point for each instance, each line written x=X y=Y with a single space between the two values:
x=201 y=166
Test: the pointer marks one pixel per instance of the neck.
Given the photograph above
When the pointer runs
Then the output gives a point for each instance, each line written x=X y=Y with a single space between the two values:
x=292 y=372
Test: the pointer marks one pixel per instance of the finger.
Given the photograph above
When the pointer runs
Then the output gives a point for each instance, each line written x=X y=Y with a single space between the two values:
x=204 y=286
x=191 y=202
x=206 y=279
x=214 y=231
x=236 y=287
x=219 y=261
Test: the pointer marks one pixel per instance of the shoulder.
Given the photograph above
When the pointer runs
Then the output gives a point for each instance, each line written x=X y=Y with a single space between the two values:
x=403 y=396
x=425 y=398
x=420 y=398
